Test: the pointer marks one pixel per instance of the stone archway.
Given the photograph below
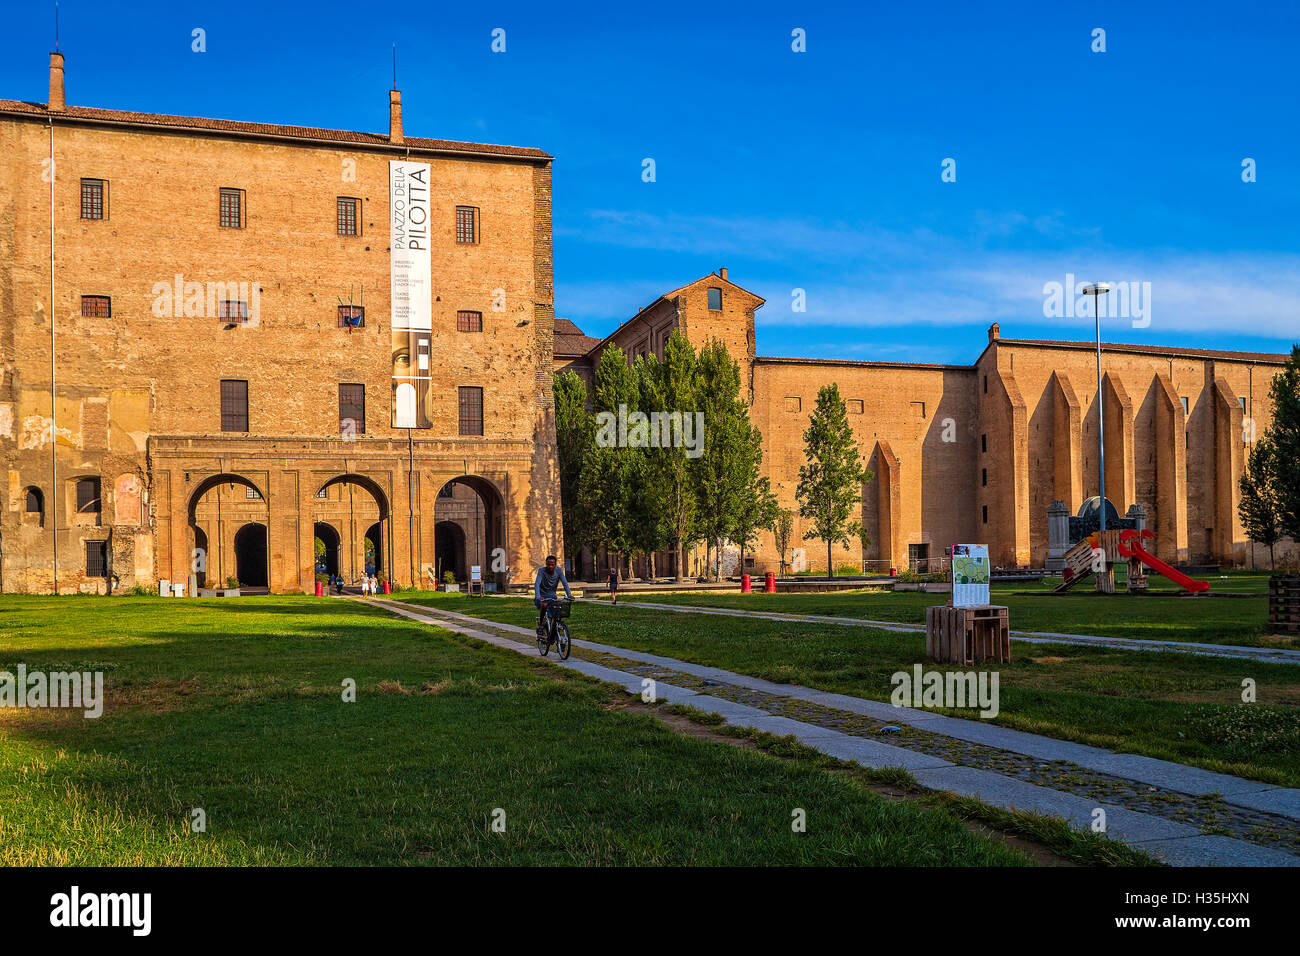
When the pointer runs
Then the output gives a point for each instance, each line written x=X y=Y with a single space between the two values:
x=358 y=507
x=251 y=556
x=327 y=534
x=219 y=507
x=475 y=506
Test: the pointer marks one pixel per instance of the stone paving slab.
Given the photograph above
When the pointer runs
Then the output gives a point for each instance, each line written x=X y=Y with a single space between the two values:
x=1284 y=801
x=1161 y=773
x=1214 y=850
x=1171 y=841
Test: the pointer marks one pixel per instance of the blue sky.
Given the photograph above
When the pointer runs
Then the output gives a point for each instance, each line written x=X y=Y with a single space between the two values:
x=818 y=170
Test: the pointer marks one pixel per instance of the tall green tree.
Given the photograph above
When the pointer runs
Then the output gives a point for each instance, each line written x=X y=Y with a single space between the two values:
x=758 y=512
x=574 y=433
x=782 y=531
x=671 y=387
x=1284 y=436
x=1260 y=507
x=733 y=449
x=830 y=484
x=610 y=469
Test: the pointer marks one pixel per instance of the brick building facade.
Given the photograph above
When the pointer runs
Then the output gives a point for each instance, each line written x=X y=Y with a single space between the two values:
x=978 y=453
x=195 y=354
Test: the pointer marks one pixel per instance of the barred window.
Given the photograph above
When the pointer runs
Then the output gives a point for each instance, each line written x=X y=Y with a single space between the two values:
x=469 y=321
x=88 y=499
x=232 y=208
x=447 y=490
x=96 y=559
x=232 y=309
x=352 y=407
x=471 y=411
x=92 y=198
x=466 y=224
x=96 y=306
x=349 y=216
x=234 y=405
x=352 y=315
x=251 y=493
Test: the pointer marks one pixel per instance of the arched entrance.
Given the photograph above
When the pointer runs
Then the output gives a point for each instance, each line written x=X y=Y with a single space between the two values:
x=357 y=508
x=220 y=507
x=250 y=556
x=326 y=548
x=469 y=524
x=374 y=546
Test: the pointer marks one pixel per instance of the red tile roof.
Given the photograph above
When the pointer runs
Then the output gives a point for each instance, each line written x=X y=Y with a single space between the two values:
x=857 y=363
x=90 y=114
x=570 y=342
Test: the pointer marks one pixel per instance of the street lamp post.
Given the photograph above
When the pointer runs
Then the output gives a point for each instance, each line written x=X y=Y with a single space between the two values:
x=1097 y=290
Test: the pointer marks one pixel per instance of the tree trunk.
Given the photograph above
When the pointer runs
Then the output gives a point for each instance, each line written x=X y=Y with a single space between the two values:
x=652 y=565
x=681 y=561
x=830 y=568
x=1272 y=562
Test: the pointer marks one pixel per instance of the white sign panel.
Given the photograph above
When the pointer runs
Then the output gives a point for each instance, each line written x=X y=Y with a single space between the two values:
x=476 y=573
x=411 y=287
x=970 y=575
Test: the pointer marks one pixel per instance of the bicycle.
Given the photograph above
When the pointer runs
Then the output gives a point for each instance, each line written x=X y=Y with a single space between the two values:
x=557 y=632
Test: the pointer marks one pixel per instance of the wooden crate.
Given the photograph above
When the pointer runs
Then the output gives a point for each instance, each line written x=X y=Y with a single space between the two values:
x=964 y=635
x=1284 y=603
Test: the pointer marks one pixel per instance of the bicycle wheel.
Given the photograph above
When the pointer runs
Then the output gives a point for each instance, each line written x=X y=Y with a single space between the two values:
x=544 y=644
x=562 y=640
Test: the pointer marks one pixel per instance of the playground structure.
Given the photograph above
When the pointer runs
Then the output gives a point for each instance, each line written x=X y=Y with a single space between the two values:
x=1098 y=553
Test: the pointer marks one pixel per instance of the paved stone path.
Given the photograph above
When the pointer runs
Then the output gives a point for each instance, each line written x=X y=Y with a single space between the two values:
x=1273 y=655
x=1180 y=814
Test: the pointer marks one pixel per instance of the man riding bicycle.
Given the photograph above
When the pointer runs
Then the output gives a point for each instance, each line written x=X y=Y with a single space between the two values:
x=548 y=580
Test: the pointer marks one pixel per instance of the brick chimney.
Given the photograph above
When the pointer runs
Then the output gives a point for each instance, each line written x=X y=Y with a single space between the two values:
x=56 y=103
x=395 y=116
x=993 y=332
x=723 y=272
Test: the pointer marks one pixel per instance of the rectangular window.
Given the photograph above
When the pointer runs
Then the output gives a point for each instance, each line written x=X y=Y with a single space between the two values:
x=96 y=559
x=252 y=494
x=1242 y=399
x=96 y=306
x=352 y=408
x=471 y=411
x=919 y=409
x=984 y=442
x=986 y=513
x=448 y=490
x=352 y=316
x=234 y=405
x=854 y=406
x=93 y=194
x=232 y=309
x=469 y=321
x=466 y=224
x=232 y=208
x=793 y=403
x=715 y=300
x=349 y=216
x=1185 y=406
x=88 y=499
x=984 y=476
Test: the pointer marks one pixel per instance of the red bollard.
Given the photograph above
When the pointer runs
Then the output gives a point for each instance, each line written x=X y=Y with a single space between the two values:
x=744 y=584
x=320 y=589
x=387 y=588
x=893 y=572
x=769 y=583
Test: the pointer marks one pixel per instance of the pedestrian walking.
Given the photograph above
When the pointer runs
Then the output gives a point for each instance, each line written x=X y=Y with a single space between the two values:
x=613 y=585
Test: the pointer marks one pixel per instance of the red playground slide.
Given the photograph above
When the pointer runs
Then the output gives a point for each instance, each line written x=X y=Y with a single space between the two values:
x=1130 y=547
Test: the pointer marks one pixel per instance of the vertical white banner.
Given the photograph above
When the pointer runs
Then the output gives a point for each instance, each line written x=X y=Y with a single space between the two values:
x=411 y=287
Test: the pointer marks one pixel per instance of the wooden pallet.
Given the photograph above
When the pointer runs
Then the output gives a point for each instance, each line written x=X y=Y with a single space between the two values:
x=1284 y=603
x=964 y=635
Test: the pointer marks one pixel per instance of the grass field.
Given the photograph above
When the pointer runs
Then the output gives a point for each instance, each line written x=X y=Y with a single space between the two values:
x=235 y=707
x=1162 y=615
x=1171 y=706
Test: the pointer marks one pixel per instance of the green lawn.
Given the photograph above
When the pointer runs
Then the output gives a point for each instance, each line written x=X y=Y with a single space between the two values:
x=235 y=707
x=1170 y=706
x=1162 y=615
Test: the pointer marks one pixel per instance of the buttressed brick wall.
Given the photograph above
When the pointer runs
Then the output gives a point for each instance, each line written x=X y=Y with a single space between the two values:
x=978 y=453
x=138 y=393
